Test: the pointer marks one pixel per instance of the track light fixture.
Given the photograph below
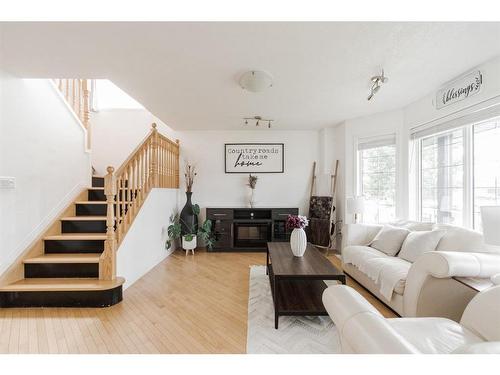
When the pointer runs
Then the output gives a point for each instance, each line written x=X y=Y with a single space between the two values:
x=377 y=82
x=258 y=120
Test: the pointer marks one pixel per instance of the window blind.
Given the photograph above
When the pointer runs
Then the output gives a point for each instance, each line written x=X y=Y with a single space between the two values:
x=480 y=115
x=368 y=143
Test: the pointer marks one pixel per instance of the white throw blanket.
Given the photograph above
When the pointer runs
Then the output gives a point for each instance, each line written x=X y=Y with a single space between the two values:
x=386 y=271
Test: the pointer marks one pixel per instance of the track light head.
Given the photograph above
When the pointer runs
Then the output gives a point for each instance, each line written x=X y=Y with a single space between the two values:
x=377 y=82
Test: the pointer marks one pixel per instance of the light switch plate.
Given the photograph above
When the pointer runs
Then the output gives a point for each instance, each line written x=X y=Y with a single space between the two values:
x=7 y=182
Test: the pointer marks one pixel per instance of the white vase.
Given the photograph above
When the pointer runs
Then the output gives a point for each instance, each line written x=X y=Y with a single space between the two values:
x=298 y=242
x=188 y=245
x=251 y=199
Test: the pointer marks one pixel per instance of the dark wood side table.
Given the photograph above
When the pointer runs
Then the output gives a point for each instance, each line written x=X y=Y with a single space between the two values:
x=297 y=282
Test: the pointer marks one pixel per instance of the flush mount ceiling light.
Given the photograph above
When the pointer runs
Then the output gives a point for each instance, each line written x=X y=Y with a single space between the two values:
x=377 y=82
x=259 y=121
x=256 y=81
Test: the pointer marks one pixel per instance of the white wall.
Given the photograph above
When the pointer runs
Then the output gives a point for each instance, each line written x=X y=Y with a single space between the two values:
x=144 y=245
x=42 y=145
x=117 y=132
x=214 y=188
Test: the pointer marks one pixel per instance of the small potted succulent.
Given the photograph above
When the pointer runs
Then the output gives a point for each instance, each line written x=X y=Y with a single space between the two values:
x=298 y=238
x=189 y=239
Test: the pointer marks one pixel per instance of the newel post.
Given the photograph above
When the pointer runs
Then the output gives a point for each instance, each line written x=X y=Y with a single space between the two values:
x=107 y=262
x=154 y=158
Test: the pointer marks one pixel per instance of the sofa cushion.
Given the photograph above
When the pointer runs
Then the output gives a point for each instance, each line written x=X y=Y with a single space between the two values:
x=419 y=242
x=379 y=267
x=389 y=239
x=359 y=255
x=434 y=335
x=413 y=225
x=460 y=239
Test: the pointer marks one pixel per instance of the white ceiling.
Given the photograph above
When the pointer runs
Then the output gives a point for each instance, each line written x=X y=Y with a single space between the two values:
x=187 y=73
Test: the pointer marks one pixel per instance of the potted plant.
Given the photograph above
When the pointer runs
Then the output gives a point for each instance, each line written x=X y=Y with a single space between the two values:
x=298 y=238
x=189 y=238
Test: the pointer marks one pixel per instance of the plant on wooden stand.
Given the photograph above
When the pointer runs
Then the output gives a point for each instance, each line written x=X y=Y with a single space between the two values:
x=189 y=239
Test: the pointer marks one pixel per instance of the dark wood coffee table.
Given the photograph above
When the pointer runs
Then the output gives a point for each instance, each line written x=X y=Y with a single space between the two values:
x=297 y=283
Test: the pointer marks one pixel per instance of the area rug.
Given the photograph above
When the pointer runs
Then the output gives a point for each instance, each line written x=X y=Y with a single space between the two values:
x=296 y=335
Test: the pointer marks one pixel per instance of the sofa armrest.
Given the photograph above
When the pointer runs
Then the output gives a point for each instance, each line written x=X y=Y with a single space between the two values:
x=444 y=264
x=361 y=327
x=343 y=302
x=370 y=334
x=359 y=234
x=430 y=289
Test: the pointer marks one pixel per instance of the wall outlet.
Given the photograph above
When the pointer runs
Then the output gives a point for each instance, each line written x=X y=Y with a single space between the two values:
x=7 y=182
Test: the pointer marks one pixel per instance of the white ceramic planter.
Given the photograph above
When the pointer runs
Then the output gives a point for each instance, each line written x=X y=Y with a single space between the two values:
x=298 y=242
x=251 y=198
x=188 y=245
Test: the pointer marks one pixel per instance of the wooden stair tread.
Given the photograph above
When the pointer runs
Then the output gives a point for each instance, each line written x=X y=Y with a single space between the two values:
x=58 y=284
x=101 y=202
x=64 y=258
x=84 y=218
x=76 y=236
x=91 y=202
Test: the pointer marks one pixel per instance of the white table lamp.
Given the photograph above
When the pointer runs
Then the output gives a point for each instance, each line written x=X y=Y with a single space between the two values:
x=355 y=206
x=490 y=217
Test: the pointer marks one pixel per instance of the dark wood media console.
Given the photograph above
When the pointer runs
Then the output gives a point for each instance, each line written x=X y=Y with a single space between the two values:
x=249 y=229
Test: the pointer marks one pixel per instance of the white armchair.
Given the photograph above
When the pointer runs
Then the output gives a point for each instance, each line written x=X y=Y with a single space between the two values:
x=362 y=329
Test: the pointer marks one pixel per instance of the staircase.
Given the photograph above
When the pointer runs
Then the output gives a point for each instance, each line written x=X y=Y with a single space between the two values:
x=74 y=264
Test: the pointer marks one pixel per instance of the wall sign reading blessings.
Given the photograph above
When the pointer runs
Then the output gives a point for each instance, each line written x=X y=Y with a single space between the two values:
x=459 y=89
x=254 y=157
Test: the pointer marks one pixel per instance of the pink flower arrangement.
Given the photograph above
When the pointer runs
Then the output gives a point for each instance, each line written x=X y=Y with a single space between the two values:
x=296 y=222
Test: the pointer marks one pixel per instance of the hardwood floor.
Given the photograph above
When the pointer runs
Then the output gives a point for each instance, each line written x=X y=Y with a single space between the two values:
x=186 y=304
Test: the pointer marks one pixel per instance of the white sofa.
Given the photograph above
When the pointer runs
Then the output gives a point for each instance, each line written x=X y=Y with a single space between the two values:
x=362 y=329
x=425 y=287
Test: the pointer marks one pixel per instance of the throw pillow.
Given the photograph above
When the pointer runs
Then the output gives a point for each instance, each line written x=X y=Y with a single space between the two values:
x=419 y=242
x=389 y=239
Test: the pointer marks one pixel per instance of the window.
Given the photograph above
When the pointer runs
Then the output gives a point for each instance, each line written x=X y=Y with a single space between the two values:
x=486 y=167
x=377 y=179
x=442 y=178
x=106 y=95
x=458 y=172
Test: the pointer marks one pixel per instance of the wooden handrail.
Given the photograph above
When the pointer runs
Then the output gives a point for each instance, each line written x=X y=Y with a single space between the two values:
x=153 y=164
x=77 y=95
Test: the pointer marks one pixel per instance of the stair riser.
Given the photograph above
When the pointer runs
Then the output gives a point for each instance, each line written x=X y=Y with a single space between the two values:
x=89 y=209
x=97 y=181
x=99 y=298
x=73 y=246
x=98 y=195
x=82 y=226
x=42 y=270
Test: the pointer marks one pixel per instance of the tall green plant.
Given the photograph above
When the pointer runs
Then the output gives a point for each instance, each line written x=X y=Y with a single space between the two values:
x=204 y=232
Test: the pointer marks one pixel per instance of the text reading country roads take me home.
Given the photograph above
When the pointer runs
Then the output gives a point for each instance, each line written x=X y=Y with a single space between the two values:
x=248 y=157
